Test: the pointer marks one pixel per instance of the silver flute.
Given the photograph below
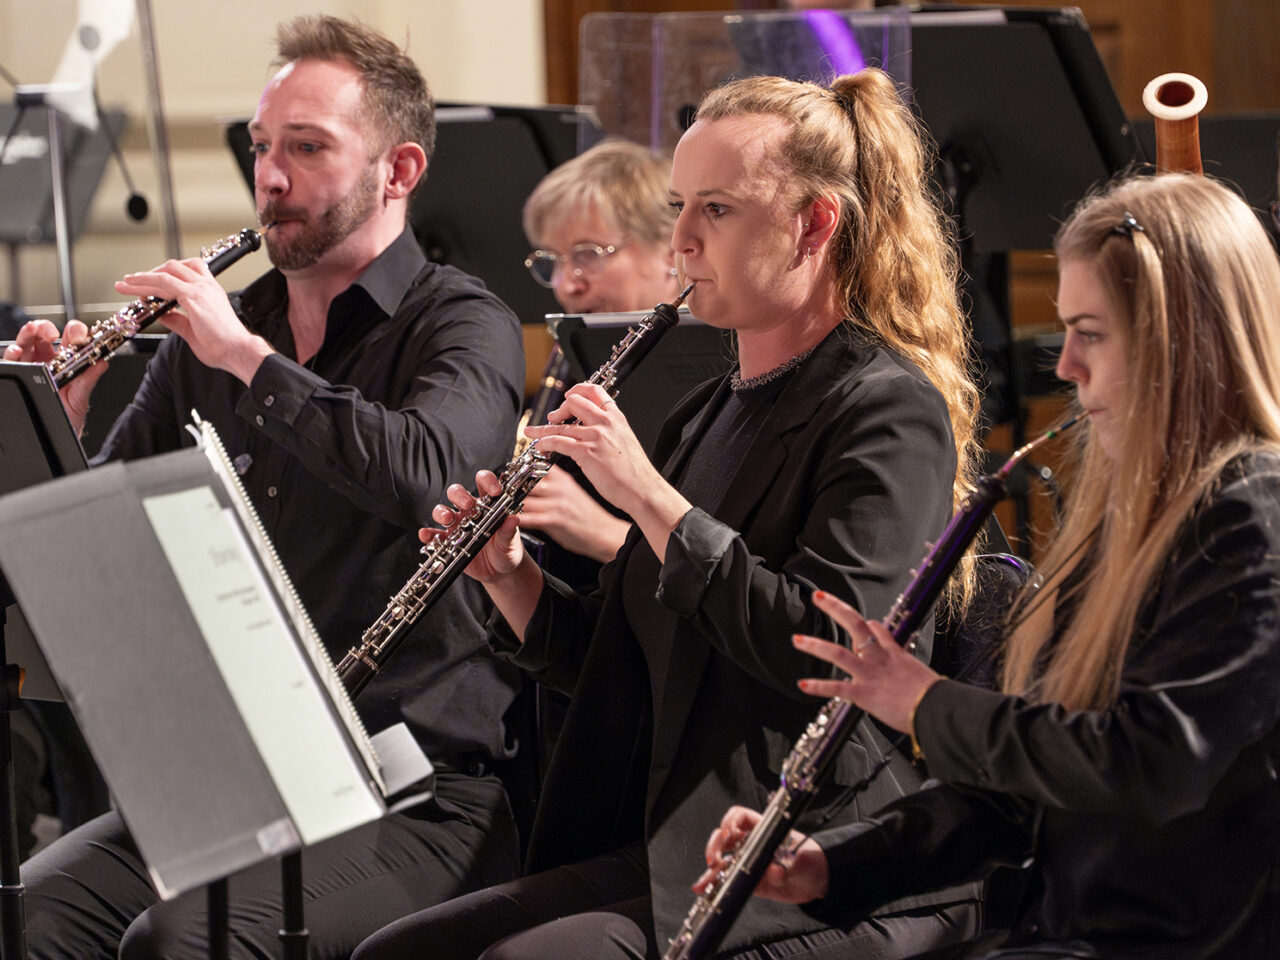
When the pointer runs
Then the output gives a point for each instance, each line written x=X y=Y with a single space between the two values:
x=450 y=553
x=109 y=335
x=812 y=758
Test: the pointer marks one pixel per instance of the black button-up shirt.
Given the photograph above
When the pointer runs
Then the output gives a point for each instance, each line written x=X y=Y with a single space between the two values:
x=416 y=386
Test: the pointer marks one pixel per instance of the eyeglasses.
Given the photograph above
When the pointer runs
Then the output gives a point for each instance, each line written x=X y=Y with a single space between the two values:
x=585 y=259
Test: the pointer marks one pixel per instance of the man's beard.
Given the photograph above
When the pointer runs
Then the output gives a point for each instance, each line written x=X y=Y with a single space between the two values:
x=317 y=237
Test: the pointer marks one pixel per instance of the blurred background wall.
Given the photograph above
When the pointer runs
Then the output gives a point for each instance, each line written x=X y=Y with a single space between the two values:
x=213 y=62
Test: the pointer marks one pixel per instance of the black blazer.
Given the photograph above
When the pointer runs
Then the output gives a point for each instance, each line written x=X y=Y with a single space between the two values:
x=849 y=476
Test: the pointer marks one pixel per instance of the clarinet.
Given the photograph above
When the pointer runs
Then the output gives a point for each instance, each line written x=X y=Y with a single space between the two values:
x=450 y=553
x=109 y=335
x=811 y=760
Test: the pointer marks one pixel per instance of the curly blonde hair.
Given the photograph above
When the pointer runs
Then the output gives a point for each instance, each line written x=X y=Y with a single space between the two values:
x=896 y=268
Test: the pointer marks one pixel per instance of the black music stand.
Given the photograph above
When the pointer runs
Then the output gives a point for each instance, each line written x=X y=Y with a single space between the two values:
x=686 y=355
x=1026 y=122
x=38 y=445
x=1023 y=113
x=173 y=707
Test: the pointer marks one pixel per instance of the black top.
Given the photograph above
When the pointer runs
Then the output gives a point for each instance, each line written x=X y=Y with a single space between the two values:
x=1154 y=826
x=417 y=385
x=837 y=485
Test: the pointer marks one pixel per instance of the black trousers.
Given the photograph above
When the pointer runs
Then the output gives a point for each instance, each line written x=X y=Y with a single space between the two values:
x=88 y=895
x=599 y=910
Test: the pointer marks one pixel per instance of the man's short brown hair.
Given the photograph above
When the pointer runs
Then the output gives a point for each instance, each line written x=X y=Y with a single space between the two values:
x=398 y=107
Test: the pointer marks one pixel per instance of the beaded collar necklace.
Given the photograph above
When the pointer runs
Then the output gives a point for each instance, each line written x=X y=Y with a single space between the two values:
x=738 y=383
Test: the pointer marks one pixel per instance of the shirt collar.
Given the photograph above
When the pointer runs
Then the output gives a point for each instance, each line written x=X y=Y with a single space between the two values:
x=393 y=272
x=386 y=280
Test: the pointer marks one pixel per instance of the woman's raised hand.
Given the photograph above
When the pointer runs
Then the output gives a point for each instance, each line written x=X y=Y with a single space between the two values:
x=883 y=679
x=504 y=551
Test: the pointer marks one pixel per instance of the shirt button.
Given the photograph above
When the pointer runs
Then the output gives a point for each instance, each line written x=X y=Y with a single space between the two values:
x=269 y=399
x=272 y=492
x=258 y=420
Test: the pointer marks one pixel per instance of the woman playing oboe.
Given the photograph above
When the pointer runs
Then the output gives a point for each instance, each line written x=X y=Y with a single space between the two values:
x=1132 y=754
x=823 y=462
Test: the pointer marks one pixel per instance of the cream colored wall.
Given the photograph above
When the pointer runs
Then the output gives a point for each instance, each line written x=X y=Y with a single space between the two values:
x=213 y=61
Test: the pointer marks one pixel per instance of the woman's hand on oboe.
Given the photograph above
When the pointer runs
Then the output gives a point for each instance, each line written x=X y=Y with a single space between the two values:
x=798 y=873
x=510 y=576
x=38 y=342
x=884 y=679
x=504 y=551
x=559 y=507
x=604 y=446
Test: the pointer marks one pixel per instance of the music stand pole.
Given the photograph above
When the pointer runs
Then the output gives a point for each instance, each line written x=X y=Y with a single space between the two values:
x=294 y=933
x=13 y=919
x=218 y=900
x=159 y=129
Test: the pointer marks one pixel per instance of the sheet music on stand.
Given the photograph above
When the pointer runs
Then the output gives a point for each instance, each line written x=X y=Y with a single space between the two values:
x=192 y=668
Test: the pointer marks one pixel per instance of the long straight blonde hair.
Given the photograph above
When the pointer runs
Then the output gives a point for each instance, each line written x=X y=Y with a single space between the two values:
x=1195 y=292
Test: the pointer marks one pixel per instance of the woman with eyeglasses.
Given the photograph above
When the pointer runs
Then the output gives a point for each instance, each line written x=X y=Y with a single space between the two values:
x=601 y=224
x=1132 y=756
x=602 y=228
x=835 y=448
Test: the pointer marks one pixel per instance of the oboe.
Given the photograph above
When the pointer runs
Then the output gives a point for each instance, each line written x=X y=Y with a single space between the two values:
x=109 y=335
x=450 y=553
x=811 y=760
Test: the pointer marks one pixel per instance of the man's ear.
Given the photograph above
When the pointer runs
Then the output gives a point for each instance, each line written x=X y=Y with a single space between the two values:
x=408 y=166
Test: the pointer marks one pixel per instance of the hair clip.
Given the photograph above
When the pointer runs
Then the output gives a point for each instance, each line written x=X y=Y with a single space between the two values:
x=1128 y=225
